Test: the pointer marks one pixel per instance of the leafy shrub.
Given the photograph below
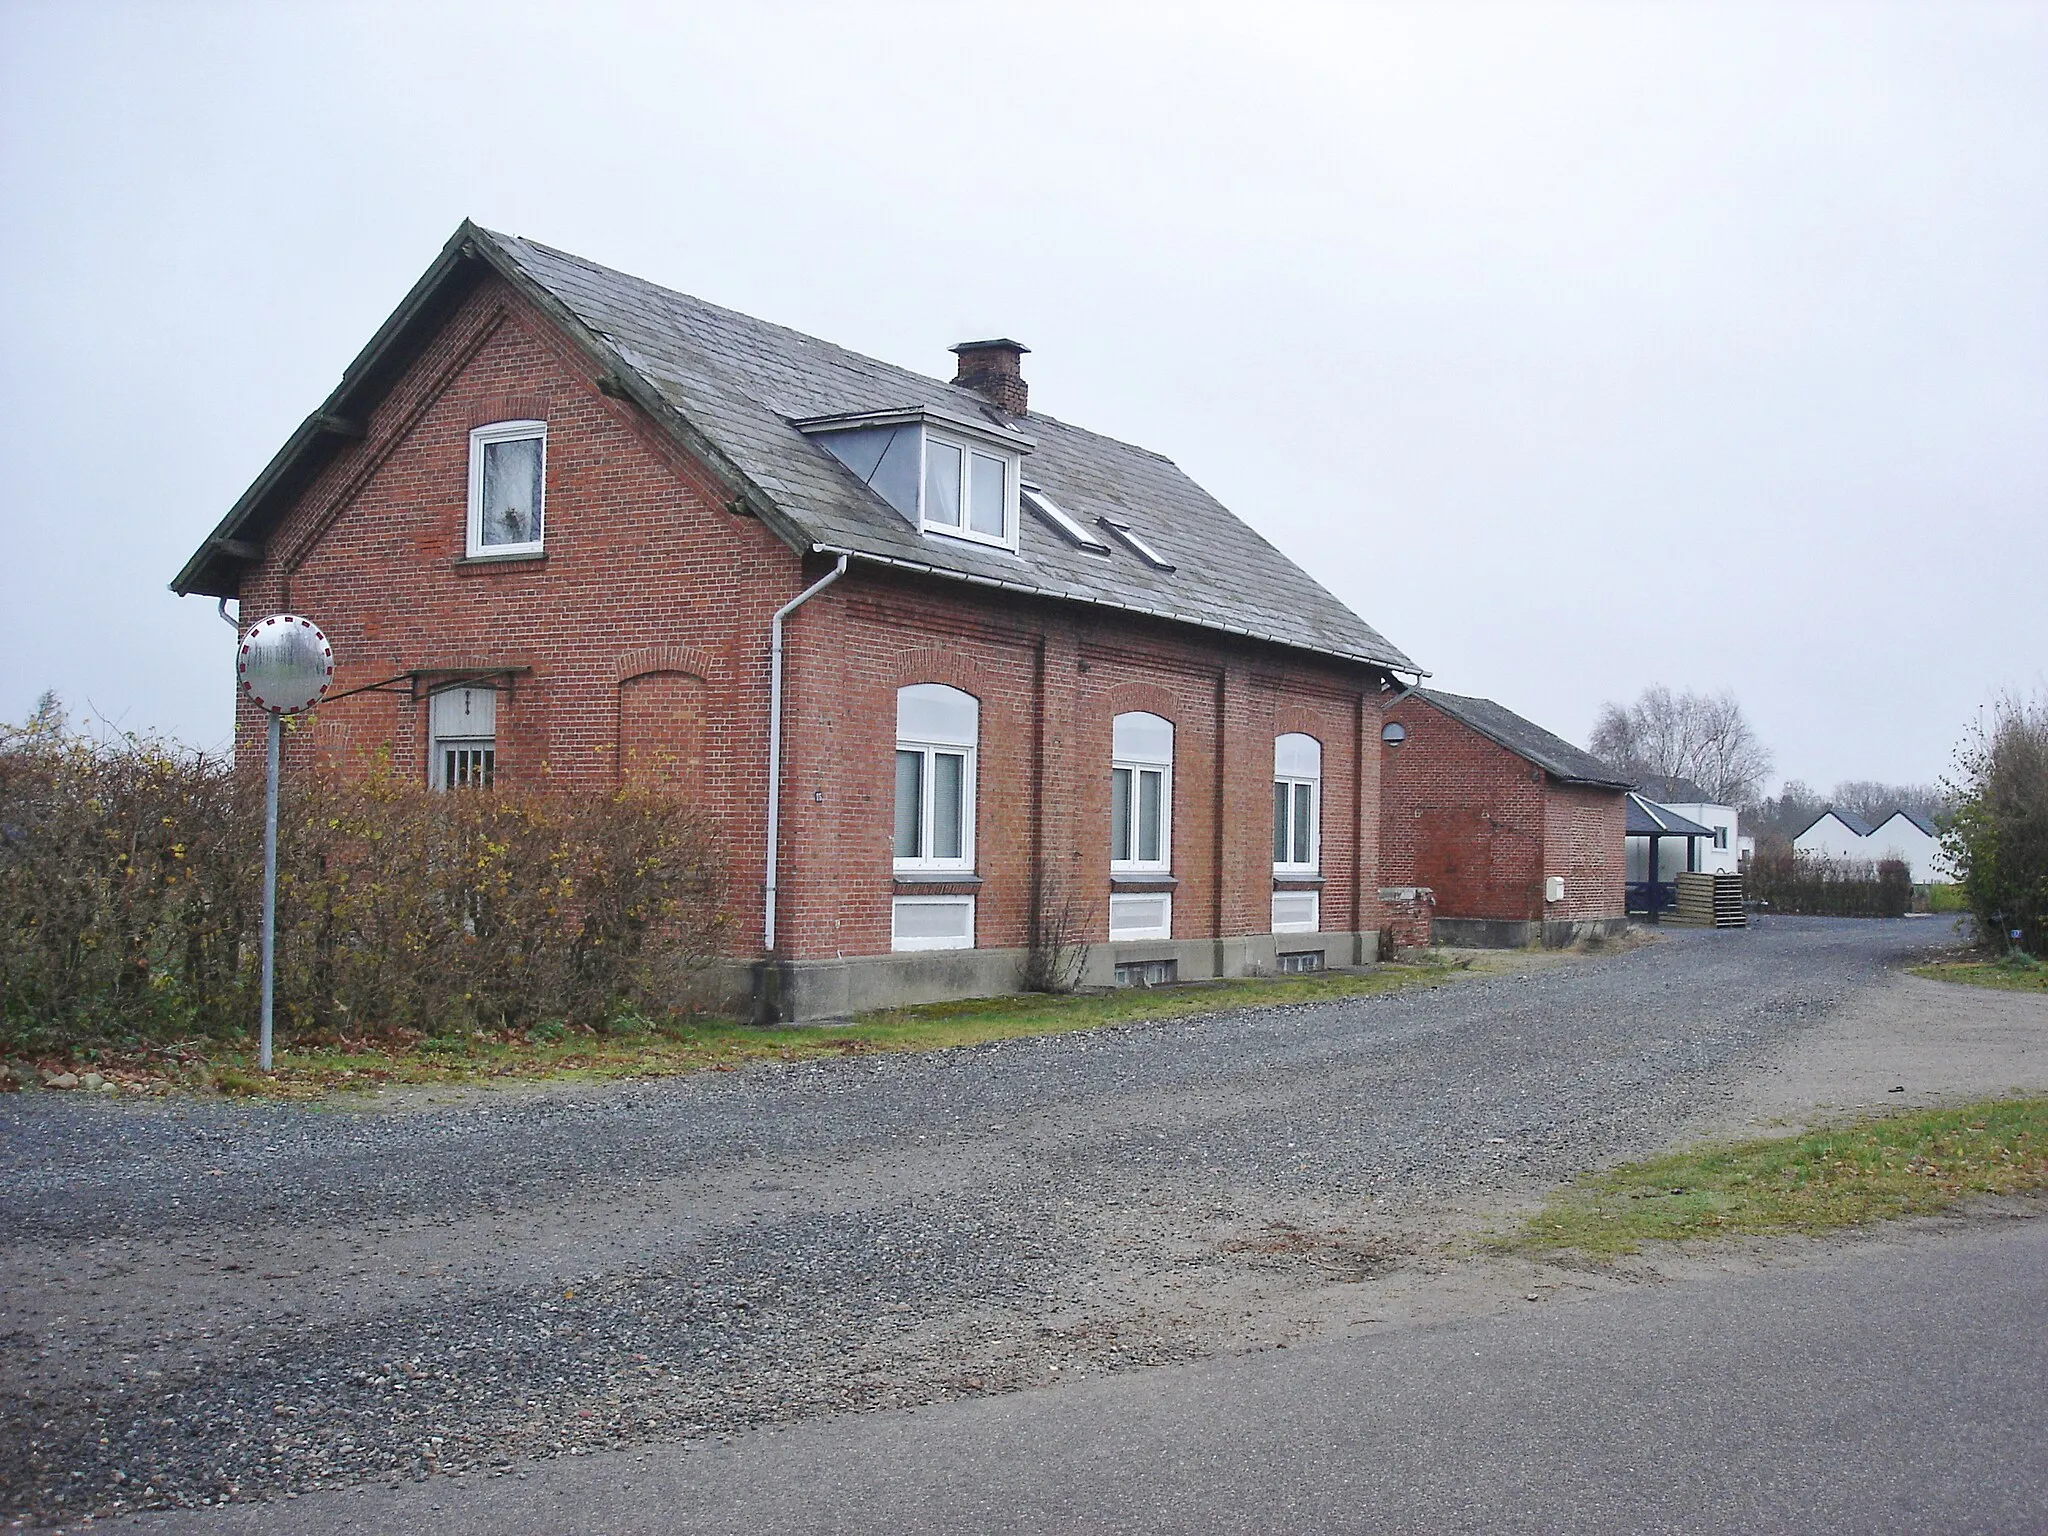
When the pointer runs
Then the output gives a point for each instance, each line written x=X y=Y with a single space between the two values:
x=1997 y=836
x=1946 y=898
x=1785 y=881
x=130 y=887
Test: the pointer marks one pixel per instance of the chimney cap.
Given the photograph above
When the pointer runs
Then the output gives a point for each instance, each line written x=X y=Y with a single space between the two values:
x=999 y=343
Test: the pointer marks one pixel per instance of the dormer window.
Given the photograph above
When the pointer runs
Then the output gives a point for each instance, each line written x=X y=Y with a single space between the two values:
x=947 y=477
x=967 y=491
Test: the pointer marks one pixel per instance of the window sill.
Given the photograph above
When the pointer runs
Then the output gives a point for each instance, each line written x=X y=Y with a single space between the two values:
x=1139 y=880
x=522 y=557
x=1305 y=882
x=923 y=879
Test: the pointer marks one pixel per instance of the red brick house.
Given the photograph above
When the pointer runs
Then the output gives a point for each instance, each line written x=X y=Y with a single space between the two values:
x=567 y=521
x=1519 y=834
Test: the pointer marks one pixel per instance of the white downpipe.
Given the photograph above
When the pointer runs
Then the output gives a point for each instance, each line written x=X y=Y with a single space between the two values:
x=775 y=741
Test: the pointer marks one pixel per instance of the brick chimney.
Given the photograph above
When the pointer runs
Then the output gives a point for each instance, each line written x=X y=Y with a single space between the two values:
x=995 y=369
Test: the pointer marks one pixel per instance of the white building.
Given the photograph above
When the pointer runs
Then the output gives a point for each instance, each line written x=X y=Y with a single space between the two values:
x=1835 y=834
x=1911 y=839
x=1905 y=836
x=1722 y=855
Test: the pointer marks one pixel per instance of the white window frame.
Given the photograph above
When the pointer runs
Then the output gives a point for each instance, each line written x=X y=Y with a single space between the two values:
x=1137 y=766
x=504 y=432
x=1292 y=781
x=927 y=808
x=904 y=945
x=968 y=447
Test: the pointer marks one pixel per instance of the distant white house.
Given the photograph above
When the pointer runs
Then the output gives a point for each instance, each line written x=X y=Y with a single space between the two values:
x=1839 y=834
x=1721 y=855
x=1903 y=835
x=1835 y=834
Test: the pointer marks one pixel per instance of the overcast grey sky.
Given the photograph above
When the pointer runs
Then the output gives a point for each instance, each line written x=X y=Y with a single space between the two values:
x=1576 y=348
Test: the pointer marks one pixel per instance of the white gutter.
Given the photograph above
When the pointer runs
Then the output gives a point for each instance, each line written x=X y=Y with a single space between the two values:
x=1073 y=595
x=775 y=740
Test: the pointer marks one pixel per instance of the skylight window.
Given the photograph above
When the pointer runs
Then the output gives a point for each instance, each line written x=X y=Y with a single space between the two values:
x=1064 y=521
x=1144 y=551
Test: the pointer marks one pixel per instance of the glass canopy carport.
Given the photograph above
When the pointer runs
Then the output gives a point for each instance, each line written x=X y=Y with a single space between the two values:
x=1650 y=825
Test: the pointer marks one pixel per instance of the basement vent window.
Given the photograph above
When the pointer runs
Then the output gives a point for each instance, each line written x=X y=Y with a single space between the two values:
x=1148 y=973
x=1297 y=912
x=932 y=922
x=1147 y=916
x=1138 y=546
x=1063 y=521
x=1301 y=964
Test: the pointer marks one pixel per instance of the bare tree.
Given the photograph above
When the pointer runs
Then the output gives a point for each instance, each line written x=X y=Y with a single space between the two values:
x=1874 y=801
x=1697 y=736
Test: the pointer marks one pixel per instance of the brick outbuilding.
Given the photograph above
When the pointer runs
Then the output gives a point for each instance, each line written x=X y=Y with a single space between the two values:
x=554 y=519
x=1519 y=834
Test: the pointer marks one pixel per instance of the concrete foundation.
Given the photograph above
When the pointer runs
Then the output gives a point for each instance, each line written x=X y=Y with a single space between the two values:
x=1497 y=933
x=805 y=991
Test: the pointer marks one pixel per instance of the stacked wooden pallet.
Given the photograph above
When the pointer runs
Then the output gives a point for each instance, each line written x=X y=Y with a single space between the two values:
x=1709 y=901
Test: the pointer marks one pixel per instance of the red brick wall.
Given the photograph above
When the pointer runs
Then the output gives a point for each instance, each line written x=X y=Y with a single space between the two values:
x=647 y=581
x=1584 y=841
x=641 y=641
x=1483 y=827
x=1462 y=816
x=1050 y=681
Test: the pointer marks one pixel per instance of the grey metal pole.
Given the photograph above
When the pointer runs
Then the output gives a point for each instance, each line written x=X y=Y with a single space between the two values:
x=269 y=882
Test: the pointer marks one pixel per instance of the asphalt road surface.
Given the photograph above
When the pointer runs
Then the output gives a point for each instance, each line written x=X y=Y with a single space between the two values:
x=214 y=1302
x=1895 y=1386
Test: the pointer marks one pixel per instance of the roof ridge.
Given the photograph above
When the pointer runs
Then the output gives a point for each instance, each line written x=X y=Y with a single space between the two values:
x=820 y=341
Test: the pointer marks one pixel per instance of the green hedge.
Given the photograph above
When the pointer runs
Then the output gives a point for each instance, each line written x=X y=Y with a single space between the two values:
x=130 y=885
x=1802 y=883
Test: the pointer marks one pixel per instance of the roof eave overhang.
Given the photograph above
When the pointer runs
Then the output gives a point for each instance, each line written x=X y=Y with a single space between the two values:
x=1026 y=589
x=215 y=568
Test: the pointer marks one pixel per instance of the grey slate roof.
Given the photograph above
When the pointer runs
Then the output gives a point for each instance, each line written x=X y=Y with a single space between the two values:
x=1914 y=817
x=1553 y=754
x=742 y=381
x=733 y=386
x=1675 y=790
x=1647 y=816
x=1848 y=819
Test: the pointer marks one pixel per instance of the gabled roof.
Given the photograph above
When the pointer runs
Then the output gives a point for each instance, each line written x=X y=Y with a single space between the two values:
x=731 y=388
x=1675 y=789
x=1646 y=817
x=1848 y=819
x=1912 y=816
x=1528 y=741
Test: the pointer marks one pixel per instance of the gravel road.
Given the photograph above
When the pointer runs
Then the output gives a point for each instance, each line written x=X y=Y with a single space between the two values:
x=208 y=1302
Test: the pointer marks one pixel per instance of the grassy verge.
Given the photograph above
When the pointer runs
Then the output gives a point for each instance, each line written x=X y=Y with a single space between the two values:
x=670 y=1049
x=2015 y=973
x=1869 y=1170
